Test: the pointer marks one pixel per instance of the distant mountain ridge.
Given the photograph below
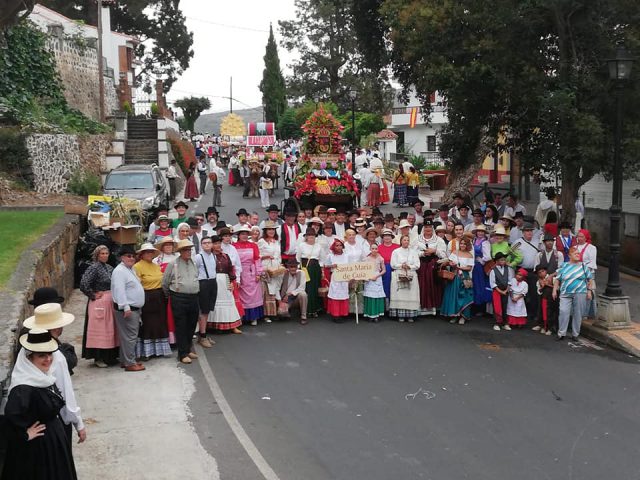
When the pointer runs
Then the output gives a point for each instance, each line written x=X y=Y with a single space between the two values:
x=210 y=122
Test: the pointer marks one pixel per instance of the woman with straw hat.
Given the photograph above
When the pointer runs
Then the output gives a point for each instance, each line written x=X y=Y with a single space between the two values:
x=269 y=247
x=251 y=294
x=153 y=336
x=50 y=317
x=100 y=340
x=37 y=446
x=167 y=246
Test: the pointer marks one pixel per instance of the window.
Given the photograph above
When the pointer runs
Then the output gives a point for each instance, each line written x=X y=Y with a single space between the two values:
x=431 y=143
x=129 y=181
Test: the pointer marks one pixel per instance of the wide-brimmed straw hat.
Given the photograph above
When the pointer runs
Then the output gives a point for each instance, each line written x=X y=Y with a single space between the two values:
x=240 y=229
x=480 y=227
x=39 y=340
x=163 y=241
x=182 y=244
x=404 y=223
x=48 y=317
x=387 y=231
x=270 y=224
x=499 y=230
x=148 y=247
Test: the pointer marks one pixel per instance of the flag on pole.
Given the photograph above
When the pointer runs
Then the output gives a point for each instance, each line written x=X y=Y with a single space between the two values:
x=413 y=117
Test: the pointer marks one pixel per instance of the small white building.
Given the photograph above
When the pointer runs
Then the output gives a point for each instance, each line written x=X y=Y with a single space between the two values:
x=423 y=138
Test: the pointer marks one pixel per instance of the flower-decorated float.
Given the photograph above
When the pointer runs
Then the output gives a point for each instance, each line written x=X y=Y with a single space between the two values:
x=321 y=177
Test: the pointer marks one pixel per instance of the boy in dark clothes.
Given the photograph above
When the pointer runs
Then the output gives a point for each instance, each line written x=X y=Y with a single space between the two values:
x=547 y=306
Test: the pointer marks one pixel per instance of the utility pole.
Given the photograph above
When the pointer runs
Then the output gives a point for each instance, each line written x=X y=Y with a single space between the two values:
x=100 y=65
x=230 y=94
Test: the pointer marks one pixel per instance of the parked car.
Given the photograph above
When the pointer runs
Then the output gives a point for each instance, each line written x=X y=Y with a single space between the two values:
x=145 y=183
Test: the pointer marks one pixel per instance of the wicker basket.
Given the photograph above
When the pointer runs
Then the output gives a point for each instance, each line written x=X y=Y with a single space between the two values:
x=323 y=292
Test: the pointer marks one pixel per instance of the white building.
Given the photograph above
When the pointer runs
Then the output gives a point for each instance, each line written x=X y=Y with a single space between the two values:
x=423 y=138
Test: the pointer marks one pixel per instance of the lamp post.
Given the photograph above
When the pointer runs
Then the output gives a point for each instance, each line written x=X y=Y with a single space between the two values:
x=615 y=313
x=352 y=95
x=316 y=100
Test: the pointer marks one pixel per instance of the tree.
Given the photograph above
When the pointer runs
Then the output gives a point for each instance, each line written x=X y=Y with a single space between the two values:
x=550 y=95
x=13 y=11
x=165 y=49
x=304 y=111
x=366 y=124
x=192 y=107
x=288 y=127
x=272 y=86
x=329 y=64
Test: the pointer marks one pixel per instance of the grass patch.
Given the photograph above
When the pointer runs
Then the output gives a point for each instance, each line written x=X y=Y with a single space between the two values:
x=19 y=230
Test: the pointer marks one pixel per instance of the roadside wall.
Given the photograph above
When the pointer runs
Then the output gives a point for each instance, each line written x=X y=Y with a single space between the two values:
x=54 y=158
x=48 y=262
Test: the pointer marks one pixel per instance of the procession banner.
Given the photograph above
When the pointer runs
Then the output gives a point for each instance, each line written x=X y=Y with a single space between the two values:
x=261 y=140
x=353 y=271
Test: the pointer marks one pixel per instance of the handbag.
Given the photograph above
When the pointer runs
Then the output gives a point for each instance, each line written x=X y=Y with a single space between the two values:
x=283 y=308
x=306 y=271
x=489 y=266
x=446 y=274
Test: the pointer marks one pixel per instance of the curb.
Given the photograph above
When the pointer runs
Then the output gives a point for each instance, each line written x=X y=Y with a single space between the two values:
x=624 y=340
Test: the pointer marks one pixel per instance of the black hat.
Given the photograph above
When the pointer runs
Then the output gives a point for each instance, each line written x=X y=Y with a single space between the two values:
x=273 y=208
x=477 y=211
x=418 y=202
x=499 y=255
x=45 y=295
x=192 y=222
x=518 y=215
x=443 y=208
x=528 y=226
x=220 y=224
x=212 y=210
x=548 y=237
x=242 y=211
x=428 y=223
x=564 y=225
x=215 y=238
x=428 y=213
x=389 y=217
x=181 y=204
x=124 y=249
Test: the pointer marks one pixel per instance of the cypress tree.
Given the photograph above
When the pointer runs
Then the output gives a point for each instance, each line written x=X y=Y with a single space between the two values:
x=272 y=85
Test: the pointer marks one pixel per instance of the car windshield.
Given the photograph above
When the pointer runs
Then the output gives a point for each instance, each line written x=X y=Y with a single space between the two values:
x=129 y=181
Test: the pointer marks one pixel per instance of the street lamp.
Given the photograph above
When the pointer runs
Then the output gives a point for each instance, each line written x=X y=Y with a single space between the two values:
x=615 y=313
x=316 y=100
x=352 y=95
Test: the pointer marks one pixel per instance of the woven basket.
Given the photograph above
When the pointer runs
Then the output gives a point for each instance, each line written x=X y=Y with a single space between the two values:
x=323 y=292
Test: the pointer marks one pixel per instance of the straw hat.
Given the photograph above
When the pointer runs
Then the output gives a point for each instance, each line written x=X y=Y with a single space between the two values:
x=404 y=223
x=441 y=228
x=499 y=230
x=49 y=316
x=369 y=230
x=241 y=228
x=270 y=224
x=316 y=220
x=148 y=247
x=480 y=227
x=163 y=241
x=182 y=244
x=38 y=340
x=388 y=231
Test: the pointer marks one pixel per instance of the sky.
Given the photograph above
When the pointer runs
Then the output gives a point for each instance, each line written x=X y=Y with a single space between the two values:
x=229 y=40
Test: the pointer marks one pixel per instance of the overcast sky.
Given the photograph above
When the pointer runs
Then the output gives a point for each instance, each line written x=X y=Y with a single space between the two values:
x=229 y=39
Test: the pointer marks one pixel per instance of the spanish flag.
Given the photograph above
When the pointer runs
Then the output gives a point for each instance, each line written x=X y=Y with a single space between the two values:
x=413 y=117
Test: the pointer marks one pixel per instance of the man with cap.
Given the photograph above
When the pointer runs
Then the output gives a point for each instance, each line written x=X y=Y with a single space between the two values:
x=458 y=202
x=529 y=252
x=499 y=278
x=549 y=257
x=292 y=289
x=272 y=216
x=565 y=239
x=180 y=284
x=160 y=210
x=516 y=232
x=500 y=244
x=128 y=299
x=206 y=263
x=443 y=214
x=181 y=208
x=243 y=219
x=419 y=214
x=478 y=219
x=209 y=228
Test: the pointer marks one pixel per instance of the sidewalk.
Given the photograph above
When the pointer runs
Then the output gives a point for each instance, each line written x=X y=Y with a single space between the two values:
x=627 y=339
x=138 y=424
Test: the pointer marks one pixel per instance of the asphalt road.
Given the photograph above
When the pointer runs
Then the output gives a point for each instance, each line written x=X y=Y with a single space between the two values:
x=426 y=400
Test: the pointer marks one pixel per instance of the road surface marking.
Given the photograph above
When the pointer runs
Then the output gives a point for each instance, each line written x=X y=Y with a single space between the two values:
x=246 y=442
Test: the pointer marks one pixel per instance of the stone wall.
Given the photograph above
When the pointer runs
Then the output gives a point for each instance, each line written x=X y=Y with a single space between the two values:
x=49 y=262
x=77 y=66
x=54 y=158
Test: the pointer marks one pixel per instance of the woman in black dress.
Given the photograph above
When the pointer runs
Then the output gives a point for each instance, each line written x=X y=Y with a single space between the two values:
x=37 y=445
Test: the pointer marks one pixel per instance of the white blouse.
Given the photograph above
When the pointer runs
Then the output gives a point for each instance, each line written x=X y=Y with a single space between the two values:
x=355 y=253
x=306 y=250
x=405 y=255
x=271 y=249
x=462 y=261
x=589 y=255
x=435 y=242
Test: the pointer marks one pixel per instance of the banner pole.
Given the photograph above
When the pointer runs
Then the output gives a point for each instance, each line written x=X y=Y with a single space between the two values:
x=356 y=294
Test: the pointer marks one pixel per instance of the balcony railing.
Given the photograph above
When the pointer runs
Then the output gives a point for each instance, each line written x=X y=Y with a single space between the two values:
x=407 y=110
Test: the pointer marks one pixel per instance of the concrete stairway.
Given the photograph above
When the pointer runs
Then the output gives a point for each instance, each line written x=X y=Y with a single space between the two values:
x=141 y=145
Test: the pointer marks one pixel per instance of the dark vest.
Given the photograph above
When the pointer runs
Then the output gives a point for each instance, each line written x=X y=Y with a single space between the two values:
x=550 y=265
x=502 y=280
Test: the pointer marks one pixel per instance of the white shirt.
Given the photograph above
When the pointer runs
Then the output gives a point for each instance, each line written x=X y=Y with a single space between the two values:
x=434 y=242
x=405 y=255
x=339 y=228
x=308 y=251
x=126 y=288
x=529 y=253
x=589 y=255
x=512 y=210
x=70 y=413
